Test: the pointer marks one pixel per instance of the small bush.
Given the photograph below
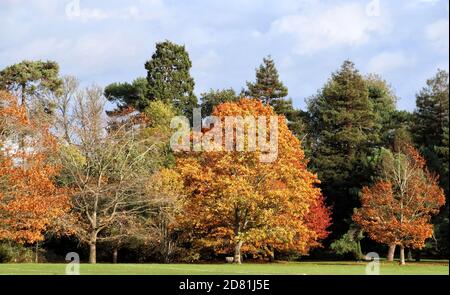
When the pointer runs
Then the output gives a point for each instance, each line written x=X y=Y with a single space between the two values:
x=14 y=253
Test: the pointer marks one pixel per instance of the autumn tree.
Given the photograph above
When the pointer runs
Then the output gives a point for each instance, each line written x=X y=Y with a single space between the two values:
x=318 y=219
x=30 y=201
x=397 y=209
x=155 y=227
x=165 y=191
x=236 y=202
x=157 y=131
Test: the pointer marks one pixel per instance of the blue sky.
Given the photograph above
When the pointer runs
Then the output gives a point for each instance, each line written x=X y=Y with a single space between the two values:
x=107 y=41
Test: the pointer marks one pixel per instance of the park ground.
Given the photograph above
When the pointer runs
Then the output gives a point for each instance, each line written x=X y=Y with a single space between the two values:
x=435 y=267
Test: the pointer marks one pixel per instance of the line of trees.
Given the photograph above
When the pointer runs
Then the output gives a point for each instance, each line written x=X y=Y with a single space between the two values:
x=351 y=168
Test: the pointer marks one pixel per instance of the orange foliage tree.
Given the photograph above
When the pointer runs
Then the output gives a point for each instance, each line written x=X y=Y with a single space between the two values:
x=318 y=220
x=397 y=209
x=30 y=201
x=235 y=202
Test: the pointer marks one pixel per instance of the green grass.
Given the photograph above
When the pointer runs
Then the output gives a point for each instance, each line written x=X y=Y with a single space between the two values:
x=291 y=268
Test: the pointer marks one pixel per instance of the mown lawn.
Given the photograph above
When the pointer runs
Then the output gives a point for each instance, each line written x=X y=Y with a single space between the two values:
x=291 y=268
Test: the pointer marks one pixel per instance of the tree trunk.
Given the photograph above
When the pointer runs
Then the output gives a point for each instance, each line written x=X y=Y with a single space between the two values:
x=114 y=254
x=23 y=98
x=272 y=254
x=237 y=253
x=36 y=258
x=391 y=252
x=409 y=255
x=92 y=253
x=167 y=252
x=93 y=248
x=402 y=255
x=22 y=137
x=359 y=254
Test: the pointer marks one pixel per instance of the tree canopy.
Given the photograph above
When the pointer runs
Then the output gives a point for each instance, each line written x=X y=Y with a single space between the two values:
x=235 y=201
x=169 y=79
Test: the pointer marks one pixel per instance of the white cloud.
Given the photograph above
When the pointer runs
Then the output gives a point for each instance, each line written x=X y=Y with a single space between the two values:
x=437 y=34
x=75 y=11
x=324 y=27
x=389 y=61
x=142 y=10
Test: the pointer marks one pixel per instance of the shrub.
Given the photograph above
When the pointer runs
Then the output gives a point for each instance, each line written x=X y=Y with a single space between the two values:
x=12 y=253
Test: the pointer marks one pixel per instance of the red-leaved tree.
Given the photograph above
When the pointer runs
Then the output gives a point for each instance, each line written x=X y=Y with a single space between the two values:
x=30 y=202
x=397 y=209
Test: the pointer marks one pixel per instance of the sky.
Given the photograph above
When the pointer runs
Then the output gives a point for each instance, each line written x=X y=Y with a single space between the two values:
x=105 y=41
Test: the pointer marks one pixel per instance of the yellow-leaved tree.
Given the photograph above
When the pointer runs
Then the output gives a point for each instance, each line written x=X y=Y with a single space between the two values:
x=237 y=203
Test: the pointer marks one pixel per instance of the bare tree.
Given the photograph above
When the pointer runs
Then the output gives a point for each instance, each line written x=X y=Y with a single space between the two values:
x=63 y=103
x=106 y=169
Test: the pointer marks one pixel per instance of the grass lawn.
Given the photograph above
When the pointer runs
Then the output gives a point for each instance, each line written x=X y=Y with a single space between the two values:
x=288 y=268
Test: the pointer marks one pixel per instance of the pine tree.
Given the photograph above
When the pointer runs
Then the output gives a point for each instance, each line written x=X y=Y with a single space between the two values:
x=442 y=220
x=442 y=151
x=431 y=118
x=341 y=128
x=268 y=88
x=126 y=94
x=32 y=81
x=169 y=79
x=431 y=114
x=387 y=118
x=295 y=117
x=430 y=130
